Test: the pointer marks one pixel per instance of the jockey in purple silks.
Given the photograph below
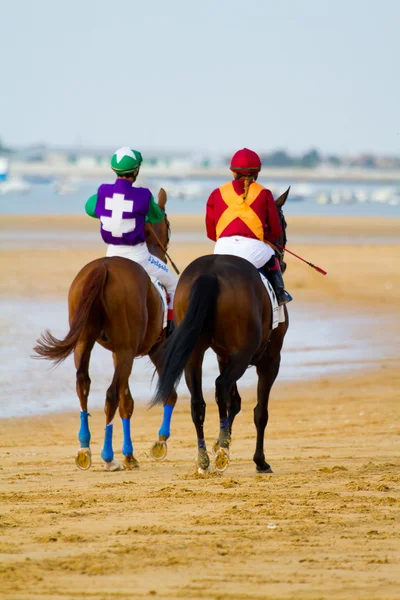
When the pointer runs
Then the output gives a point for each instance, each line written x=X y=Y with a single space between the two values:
x=123 y=211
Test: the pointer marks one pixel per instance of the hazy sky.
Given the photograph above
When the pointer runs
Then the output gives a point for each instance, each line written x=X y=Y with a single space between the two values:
x=209 y=75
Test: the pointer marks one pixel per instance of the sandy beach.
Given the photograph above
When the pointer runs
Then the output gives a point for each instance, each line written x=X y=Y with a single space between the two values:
x=357 y=273
x=324 y=526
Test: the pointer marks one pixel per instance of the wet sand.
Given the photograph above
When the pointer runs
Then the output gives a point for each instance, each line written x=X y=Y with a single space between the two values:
x=325 y=525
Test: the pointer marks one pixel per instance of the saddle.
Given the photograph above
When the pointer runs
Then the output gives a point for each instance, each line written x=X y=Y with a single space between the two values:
x=278 y=313
x=164 y=298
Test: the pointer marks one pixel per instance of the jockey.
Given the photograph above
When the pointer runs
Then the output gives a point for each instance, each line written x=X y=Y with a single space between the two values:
x=242 y=214
x=123 y=210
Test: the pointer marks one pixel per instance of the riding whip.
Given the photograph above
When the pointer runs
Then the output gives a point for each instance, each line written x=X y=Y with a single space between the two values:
x=310 y=264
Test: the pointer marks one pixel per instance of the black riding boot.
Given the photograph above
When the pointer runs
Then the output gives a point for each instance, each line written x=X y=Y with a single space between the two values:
x=275 y=278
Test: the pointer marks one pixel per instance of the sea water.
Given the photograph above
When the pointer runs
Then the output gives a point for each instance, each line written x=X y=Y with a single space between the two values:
x=318 y=344
x=42 y=199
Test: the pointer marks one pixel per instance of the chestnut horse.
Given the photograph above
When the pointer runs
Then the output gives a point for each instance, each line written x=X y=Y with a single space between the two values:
x=113 y=302
x=221 y=303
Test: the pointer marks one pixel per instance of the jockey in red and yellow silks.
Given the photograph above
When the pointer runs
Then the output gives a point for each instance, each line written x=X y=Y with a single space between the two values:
x=257 y=217
x=241 y=214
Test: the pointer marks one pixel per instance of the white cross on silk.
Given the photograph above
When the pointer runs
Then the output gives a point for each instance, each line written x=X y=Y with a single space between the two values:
x=115 y=224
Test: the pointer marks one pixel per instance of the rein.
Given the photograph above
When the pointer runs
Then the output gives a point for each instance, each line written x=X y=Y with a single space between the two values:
x=159 y=244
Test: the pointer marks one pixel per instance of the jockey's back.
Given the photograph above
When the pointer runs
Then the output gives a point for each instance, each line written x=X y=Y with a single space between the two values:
x=229 y=214
x=122 y=210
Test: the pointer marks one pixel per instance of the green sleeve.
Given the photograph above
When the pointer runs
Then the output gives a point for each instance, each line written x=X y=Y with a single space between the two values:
x=155 y=214
x=90 y=206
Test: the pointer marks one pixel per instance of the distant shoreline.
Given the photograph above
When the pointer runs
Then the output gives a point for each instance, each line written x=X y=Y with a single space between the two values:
x=291 y=175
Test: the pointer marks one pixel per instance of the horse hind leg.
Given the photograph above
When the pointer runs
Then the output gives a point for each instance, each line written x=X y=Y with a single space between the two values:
x=225 y=425
x=233 y=408
x=267 y=373
x=159 y=449
x=229 y=403
x=122 y=368
x=111 y=405
x=126 y=406
x=83 y=459
x=193 y=376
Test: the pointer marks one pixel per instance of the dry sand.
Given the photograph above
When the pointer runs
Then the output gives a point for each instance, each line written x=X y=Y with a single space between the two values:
x=325 y=525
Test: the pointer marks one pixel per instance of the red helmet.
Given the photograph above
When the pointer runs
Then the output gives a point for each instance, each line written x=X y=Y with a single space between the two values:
x=245 y=162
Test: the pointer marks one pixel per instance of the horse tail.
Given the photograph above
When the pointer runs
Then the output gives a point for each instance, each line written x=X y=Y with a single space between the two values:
x=175 y=352
x=50 y=347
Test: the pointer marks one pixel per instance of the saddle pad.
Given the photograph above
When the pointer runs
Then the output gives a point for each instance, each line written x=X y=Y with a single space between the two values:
x=163 y=294
x=278 y=312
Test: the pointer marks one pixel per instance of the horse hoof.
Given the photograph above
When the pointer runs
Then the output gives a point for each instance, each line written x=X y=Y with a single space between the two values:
x=112 y=466
x=216 y=448
x=222 y=460
x=83 y=459
x=158 y=451
x=130 y=462
x=203 y=460
x=264 y=470
x=204 y=471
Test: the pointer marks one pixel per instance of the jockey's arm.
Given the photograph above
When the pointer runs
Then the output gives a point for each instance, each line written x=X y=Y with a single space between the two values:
x=90 y=206
x=210 y=218
x=274 y=229
x=155 y=214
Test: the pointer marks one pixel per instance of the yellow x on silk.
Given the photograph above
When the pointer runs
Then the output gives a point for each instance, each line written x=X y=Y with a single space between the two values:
x=239 y=208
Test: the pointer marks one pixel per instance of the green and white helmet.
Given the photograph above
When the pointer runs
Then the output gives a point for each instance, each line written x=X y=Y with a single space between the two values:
x=126 y=160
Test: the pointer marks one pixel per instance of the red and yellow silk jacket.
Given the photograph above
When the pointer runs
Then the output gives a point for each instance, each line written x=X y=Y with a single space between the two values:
x=227 y=215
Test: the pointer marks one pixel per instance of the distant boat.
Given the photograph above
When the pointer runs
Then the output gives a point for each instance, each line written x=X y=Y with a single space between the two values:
x=323 y=198
x=14 y=186
x=185 y=189
x=395 y=199
x=66 y=186
x=297 y=193
x=383 y=195
x=4 y=167
x=301 y=191
x=386 y=195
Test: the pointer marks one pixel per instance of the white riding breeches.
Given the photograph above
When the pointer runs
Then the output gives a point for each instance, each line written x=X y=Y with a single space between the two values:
x=255 y=251
x=151 y=264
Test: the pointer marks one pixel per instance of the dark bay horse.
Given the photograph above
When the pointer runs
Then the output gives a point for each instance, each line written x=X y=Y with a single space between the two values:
x=113 y=302
x=221 y=303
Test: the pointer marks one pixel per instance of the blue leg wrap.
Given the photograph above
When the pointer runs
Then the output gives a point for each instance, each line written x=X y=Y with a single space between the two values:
x=84 y=433
x=127 y=447
x=224 y=423
x=107 y=454
x=201 y=443
x=165 y=425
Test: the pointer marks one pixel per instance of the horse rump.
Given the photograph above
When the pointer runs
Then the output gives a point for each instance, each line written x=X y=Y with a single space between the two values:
x=90 y=302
